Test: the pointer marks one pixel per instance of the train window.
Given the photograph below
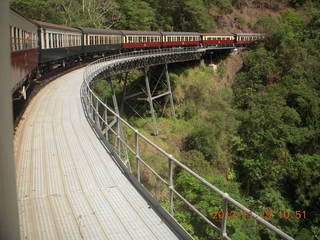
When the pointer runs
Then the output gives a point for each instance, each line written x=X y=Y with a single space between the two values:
x=54 y=36
x=18 y=38
x=34 y=40
x=64 y=40
x=49 y=40
x=22 y=39
x=12 y=38
x=52 y=40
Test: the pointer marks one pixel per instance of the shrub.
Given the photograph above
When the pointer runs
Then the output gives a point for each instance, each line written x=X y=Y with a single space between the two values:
x=203 y=140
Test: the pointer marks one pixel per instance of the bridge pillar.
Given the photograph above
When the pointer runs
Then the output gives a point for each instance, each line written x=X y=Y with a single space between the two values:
x=150 y=100
x=150 y=94
x=170 y=91
x=9 y=218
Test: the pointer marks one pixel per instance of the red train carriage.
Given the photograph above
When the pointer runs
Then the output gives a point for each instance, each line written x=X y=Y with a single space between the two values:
x=215 y=39
x=24 y=49
x=170 y=39
x=140 y=39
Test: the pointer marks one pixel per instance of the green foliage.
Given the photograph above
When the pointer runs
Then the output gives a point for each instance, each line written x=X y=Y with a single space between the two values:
x=137 y=15
x=195 y=160
x=89 y=13
x=223 y=6
x=278 y=101
x=183 y=15
x=240 y=20
x=208 y=202
x=203 y=140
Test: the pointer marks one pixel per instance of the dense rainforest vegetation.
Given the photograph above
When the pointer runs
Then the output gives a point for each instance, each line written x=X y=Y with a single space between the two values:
x=255 y=135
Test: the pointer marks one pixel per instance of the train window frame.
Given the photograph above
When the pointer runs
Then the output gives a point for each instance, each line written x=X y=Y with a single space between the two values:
x=13 y=39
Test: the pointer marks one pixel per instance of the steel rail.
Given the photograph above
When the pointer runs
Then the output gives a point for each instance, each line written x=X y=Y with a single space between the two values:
x=87 y=94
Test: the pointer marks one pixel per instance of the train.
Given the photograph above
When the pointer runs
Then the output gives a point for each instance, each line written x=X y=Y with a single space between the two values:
x=38 y=47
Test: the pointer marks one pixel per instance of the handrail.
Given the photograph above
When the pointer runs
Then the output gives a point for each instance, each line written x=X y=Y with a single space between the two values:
x=92 y=106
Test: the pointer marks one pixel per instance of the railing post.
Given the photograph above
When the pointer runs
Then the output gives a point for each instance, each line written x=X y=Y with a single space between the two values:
x=136 y=141
x=97 y=119
x=118 y=136
x=106 y=124
x=171 y=206
x=91 y=106
x=223 y=234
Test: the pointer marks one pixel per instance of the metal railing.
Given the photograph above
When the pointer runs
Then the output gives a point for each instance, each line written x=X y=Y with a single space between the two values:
x=111 y=124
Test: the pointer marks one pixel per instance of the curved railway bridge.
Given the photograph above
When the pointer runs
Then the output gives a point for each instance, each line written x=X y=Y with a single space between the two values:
x=79 y=164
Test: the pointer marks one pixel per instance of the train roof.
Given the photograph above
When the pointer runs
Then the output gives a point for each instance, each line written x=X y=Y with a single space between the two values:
x=217 y=34
x=129 y=32
x=181 y=33
x=99 y=31
x=56 y=26
x=19 y=14
x=248 y=34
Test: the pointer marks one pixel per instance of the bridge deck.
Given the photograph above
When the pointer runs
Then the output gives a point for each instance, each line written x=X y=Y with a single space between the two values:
x=68 y=186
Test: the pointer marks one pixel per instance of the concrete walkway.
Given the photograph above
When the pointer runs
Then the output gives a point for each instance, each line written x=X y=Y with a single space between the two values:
x=68 y=186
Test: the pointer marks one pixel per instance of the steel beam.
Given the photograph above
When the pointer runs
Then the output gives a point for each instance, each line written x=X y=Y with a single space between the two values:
x=153 y=115
x=170 y=91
